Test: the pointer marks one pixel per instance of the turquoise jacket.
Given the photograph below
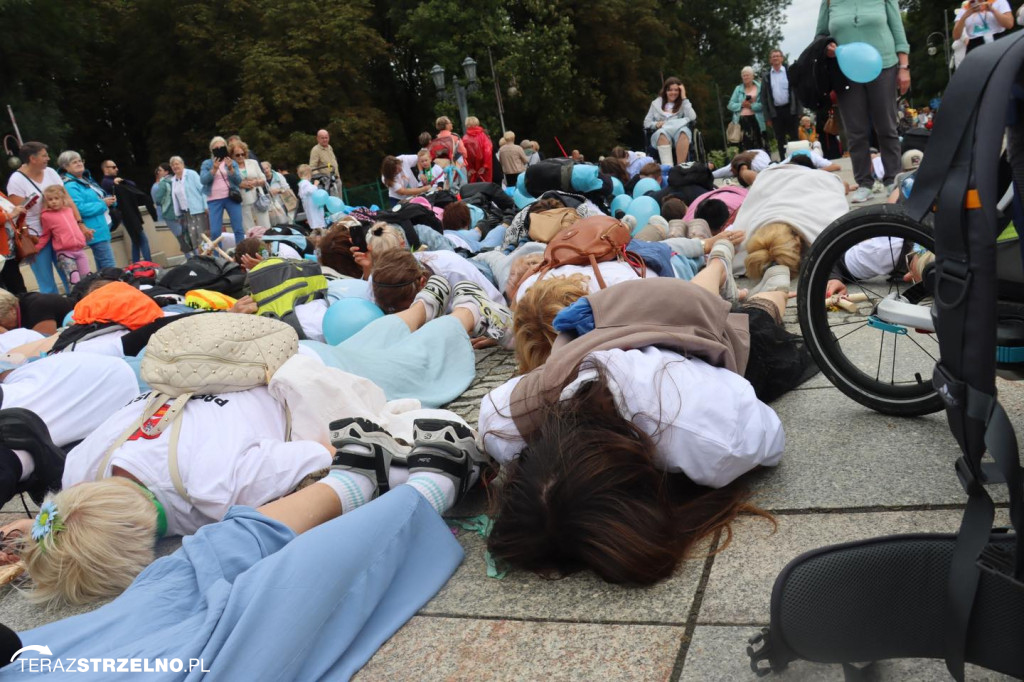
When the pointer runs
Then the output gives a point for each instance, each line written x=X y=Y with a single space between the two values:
x=194 y=193
x=876 y=22
x=736 y=104
x=87 y=197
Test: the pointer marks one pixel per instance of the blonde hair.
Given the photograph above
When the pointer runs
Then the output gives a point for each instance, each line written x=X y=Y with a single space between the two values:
x=774 y=242
x=238 y=144
x=304 y=171
x=108 y=539
x=383 y=237
x=8 y=304
x=217 y=140
x=747 y=69
x=509 y=136
x=536 y=311
x=472 y=121
x=442 y=123
x=57 y=190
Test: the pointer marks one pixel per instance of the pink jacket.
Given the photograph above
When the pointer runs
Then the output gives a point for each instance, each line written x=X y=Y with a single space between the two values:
x=60 y=228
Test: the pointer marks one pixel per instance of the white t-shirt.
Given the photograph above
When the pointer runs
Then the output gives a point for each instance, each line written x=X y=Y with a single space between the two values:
x=613 y=272
x=984 y=24
x=311 y=318
x=178 y=195
x=10 y=340
x=286 y=250
x=807 y=199
x=705 y=421
x=73 y=393
x=409 y=169
x=455 y=269
x=817 y=159
x=760 y=161
x=873 y=257
x=20 y=186
x=231 y=450
x=314 y=214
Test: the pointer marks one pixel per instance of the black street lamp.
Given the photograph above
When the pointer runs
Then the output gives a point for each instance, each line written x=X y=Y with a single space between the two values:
x=457 y=90
x=933 y=50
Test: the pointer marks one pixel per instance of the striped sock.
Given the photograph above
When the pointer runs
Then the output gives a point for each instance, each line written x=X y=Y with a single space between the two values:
x=354 y=490
x=438 y=490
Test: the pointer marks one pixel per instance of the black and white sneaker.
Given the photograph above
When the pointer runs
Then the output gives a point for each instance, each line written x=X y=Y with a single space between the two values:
x=435 y=295
x=365 y=448
x=495 y=319
x=22 y=429
x=447 y=448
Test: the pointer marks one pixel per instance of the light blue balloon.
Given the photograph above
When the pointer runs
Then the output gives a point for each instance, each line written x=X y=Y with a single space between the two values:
x=320 y=197
x=617 y=188
x=348 y=288
x=334 y=205
x=643 y=208
x=860 y=62
x=521 y=199
x=374 y=207
x=621 y=203
x=644 y=186
x=347 y=317
x=521 y=184
x=510 y=191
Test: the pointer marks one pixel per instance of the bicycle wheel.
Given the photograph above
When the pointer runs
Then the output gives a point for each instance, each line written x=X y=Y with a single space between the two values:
x=886 y=367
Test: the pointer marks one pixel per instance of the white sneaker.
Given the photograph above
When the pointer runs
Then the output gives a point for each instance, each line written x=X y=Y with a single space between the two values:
x=495 y=319
x=860 y=195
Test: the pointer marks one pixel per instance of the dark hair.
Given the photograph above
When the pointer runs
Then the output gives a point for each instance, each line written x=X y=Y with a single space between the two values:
x=586 y=492
x=390 y=167
x=456 y=216
x=250 y=246
x=802 y=160
x=396 y=279
x=673 y=208
x=715 y=212
x=30 y=149
x=545 y=204
x=742 y=159
x=615 y=167
x=336 y=252
x=620 y=152
x=165 y=166
x=664 y=93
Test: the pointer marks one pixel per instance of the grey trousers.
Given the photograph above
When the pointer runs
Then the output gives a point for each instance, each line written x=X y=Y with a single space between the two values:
x=867 y=105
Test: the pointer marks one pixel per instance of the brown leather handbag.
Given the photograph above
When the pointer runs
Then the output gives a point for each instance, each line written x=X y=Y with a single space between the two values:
x=831 y=126
x=545 y=225
x=593 y=240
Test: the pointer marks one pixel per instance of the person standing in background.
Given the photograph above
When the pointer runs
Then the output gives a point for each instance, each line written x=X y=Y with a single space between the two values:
x=128 y=197
x=778 y=101
x=322 y=158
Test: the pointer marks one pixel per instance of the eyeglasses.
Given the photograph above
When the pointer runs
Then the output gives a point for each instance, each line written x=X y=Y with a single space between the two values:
x=240 y=155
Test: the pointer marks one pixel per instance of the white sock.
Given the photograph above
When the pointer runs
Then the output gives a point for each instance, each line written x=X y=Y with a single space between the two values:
x=28 y=465
x=429 y=303
x=665 y=153
x=438 y=490
x=474 y=309
x=353 y=489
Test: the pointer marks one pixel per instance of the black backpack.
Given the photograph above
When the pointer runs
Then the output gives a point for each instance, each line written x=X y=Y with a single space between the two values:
x=205 y=272
x=814 y=76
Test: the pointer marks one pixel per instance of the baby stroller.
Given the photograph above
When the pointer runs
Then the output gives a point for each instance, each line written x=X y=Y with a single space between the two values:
x=957 y=597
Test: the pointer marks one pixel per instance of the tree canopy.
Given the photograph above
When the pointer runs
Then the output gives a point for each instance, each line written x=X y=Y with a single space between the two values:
x=140 y=80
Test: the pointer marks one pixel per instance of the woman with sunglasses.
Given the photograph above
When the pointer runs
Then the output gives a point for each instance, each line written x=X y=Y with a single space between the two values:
x=221 y=179
x=253 y=183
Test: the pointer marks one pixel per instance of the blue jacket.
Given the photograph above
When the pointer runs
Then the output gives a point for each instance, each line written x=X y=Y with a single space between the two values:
x=195 y=193
x=736 y=105
x=206 y=176
x=92 y=208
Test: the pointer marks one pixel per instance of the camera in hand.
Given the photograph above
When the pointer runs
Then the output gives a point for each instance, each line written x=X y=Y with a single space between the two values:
x=220 y=153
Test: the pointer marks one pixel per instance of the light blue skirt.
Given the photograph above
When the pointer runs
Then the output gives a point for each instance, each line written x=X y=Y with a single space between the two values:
x=672 y=128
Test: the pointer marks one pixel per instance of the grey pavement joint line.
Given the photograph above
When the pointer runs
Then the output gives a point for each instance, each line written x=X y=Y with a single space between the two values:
x=691 y=620
x=799 y=511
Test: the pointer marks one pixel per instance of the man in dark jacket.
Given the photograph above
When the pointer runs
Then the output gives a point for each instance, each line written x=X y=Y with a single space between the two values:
x=779 y=101
x=128 y=198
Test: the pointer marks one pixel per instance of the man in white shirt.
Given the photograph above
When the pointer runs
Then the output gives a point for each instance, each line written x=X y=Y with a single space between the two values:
x=779 y=101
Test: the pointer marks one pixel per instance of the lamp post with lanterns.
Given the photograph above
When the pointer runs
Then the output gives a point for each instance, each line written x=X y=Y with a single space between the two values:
x=456 y=90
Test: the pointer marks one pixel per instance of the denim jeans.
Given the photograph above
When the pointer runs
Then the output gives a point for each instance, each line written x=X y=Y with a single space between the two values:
x=103 y=254
x=140 y=248
x=477 y=243
x=217 y=208
x=43 y=266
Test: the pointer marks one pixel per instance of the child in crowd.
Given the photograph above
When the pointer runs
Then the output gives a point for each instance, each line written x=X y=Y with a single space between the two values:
x=314 y=214
x=59 y=226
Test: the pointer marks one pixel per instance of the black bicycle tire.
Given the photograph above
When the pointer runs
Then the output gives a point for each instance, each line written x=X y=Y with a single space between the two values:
x=851 y=228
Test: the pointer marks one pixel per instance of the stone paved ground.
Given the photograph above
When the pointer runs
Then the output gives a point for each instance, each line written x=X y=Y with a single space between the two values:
x=847 y=473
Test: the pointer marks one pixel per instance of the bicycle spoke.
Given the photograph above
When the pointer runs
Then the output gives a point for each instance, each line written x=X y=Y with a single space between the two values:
x=840 y=338
x=881 y=345
x=892 y=375
x=864 y=289
x=923 y=349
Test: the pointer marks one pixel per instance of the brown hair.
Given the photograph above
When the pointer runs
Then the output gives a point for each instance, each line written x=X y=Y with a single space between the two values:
x=774 y=242
x=390 y=167
x=336 y=252
x=456 y=216
x=535 y=312
x=673 y=208
x=396 y=278
x=586 y=492
x=742 y=159
x=615 y=167
x=650 y=170
x=250 y=246
x=664 y=93
x=620 y=152
x=520 y=269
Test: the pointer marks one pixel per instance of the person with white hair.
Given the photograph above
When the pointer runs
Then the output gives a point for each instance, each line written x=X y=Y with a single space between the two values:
x=93 y=203
x=221 y=180
x=745 y=105
x=189 y=203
